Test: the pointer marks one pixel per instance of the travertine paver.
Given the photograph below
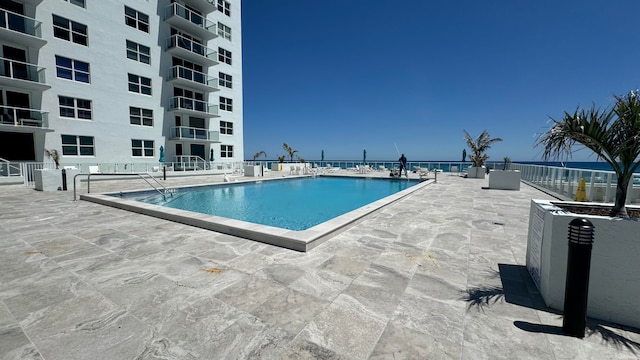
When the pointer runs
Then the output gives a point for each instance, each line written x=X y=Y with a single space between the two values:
x=437 y=275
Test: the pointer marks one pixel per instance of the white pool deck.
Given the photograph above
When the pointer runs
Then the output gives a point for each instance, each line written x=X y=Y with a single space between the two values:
x=437 y=274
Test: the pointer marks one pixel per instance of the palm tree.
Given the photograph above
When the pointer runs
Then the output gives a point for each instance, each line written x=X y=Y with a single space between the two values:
x=258 y=154
x=289 y=150
x=479 y=147
x=612 y=134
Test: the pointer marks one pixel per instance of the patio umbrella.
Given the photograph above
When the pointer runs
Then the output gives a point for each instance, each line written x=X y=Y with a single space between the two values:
x=464 y=155
x=161 y=153
x=211 y=155
x=322 y=156
x=364 y=157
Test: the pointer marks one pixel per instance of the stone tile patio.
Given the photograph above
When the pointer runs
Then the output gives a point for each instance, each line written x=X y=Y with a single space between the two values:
x=437 y=275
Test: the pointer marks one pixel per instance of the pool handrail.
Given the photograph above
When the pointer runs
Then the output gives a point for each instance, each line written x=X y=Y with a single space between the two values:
x=164 y=194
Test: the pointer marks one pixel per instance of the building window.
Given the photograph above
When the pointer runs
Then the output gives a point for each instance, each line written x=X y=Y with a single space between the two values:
x=70 y=30
x=224 y=31
x=224 y=80
x=142 y=148
x=136 y=19
x=224 y=55
x=77 y=145
x=138 y=52
x=80 y=3
x=75 y=108
x=224 y=7
x=226 y=127
x=226 y=103
x=226 y=151
x=72 y=69
x=139 y=84
x=142 y=117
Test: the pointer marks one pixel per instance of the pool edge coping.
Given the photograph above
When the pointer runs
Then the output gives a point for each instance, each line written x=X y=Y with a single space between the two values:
x=303 y=240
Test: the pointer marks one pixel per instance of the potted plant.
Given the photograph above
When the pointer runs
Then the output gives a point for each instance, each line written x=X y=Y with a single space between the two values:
x=254 y=169
x=613 y=135
x=49 y=179
x=504 y=179
x=278 y=167
x=478 y=157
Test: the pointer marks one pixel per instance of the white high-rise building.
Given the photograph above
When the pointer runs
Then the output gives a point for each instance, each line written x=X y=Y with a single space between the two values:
x=121 y=81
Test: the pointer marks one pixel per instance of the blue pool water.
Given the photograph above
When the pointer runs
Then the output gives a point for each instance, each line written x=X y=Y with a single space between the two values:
x=294 y=204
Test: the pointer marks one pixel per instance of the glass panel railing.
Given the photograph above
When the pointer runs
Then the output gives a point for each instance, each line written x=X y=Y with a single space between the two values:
x=15 y=116
x=181 y=102
x=190 y=45
x=192 y=75
x=191 y=133
x=20 y=23
x=21 y=70
x=176 y=9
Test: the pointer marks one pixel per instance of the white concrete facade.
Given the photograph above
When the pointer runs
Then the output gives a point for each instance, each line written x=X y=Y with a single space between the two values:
x=185 y=94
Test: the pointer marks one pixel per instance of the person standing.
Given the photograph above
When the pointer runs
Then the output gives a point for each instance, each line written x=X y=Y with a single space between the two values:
x=403 y=165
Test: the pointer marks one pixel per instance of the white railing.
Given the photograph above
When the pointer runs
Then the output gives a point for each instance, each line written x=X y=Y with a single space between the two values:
x=192 y=46
x=181 y=72
x=191 y=133
x=20 y=23
x=8 y=169
x=600 y=185
x=10 y=115
x=22 y=70
x=185 y=103
x=176 y=9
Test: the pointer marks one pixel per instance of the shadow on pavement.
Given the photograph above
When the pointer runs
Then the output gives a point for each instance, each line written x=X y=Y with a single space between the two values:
x=518 y=289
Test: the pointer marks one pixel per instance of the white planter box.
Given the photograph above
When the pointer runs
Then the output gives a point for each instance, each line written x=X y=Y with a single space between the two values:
x=48 y=179
x=252 y=170
x=51 y=179
x=476 y=172
x=504 y=179
x=615 y=270
x=286 y=167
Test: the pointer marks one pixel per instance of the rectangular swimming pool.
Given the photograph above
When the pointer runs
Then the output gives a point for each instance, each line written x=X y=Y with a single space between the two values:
x=295 y=213
x=294 y=204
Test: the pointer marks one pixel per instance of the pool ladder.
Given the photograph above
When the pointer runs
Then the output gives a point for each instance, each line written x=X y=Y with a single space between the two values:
x=165 y=190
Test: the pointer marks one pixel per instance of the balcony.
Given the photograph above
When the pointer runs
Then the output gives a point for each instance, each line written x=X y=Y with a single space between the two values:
x=194 y=134
x=20 y=117
x=22 y=75
x=190 y=50
x=193 y=107
x=181 y=75
x=196 y=24
x=204 y=6
x=20 y=29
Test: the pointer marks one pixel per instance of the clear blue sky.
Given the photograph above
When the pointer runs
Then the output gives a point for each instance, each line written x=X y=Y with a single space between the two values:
x=347 y=75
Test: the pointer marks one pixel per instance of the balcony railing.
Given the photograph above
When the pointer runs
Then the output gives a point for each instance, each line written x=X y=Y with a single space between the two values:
x=179 y=41
x=21 y=70
x=20 y=23
x=197 y=22
x=185 y=103
x=181 y=72
x=191 y=133
x=14 y=116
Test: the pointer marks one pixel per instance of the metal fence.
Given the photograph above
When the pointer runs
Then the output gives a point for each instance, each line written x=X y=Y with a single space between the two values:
x=600 y=186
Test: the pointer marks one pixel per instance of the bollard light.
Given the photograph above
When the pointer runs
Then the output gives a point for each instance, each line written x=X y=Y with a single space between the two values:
x=576 y=290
